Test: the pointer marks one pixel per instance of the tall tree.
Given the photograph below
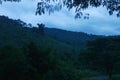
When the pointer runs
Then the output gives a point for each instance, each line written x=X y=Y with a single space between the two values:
x=41 y=28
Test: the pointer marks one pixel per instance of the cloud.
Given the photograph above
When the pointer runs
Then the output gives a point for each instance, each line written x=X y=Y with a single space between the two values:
x=100 y=21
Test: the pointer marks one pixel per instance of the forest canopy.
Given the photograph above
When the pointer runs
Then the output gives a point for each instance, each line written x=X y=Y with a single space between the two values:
x=43 y=6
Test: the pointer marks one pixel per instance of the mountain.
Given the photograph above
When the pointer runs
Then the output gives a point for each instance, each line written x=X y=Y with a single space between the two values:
x=54 y=54
x=24 y=50
x=13 y=32
x=74 y=38
x=17 y=32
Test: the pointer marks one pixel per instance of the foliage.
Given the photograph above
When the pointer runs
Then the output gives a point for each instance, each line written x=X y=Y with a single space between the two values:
x=79 y=5
x=116 y=77
x=13 y=65
x=34 y=62
x=103 y=54
x=113 y=6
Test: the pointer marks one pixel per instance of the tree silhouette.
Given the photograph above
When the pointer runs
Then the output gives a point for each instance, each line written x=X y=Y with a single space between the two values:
x=41 y=28
x=113 y=6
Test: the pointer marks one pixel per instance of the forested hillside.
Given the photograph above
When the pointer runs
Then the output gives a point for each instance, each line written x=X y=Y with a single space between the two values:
x=74 y=38
x=28 y=54
x=17 y=33
x=53 y=54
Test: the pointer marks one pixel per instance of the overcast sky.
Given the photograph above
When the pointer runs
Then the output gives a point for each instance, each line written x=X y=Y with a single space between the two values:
x=100 y=22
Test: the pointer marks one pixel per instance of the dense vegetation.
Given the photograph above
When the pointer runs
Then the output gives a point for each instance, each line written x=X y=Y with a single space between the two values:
x=28 y=54
x=31 y=54
x=103 y=54
x=74 y=38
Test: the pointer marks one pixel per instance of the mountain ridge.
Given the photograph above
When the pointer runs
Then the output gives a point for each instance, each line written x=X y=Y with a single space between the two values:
x=75 y=38
x=17 y=30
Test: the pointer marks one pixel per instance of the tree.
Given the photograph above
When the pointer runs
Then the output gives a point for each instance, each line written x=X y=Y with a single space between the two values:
x=79 y=5
x=13 y=64
x=41 y=28
x=37 y=58
x=103 y=54
x=113 y=6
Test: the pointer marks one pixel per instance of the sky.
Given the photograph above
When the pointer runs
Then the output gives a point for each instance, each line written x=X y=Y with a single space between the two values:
x=99 y=23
